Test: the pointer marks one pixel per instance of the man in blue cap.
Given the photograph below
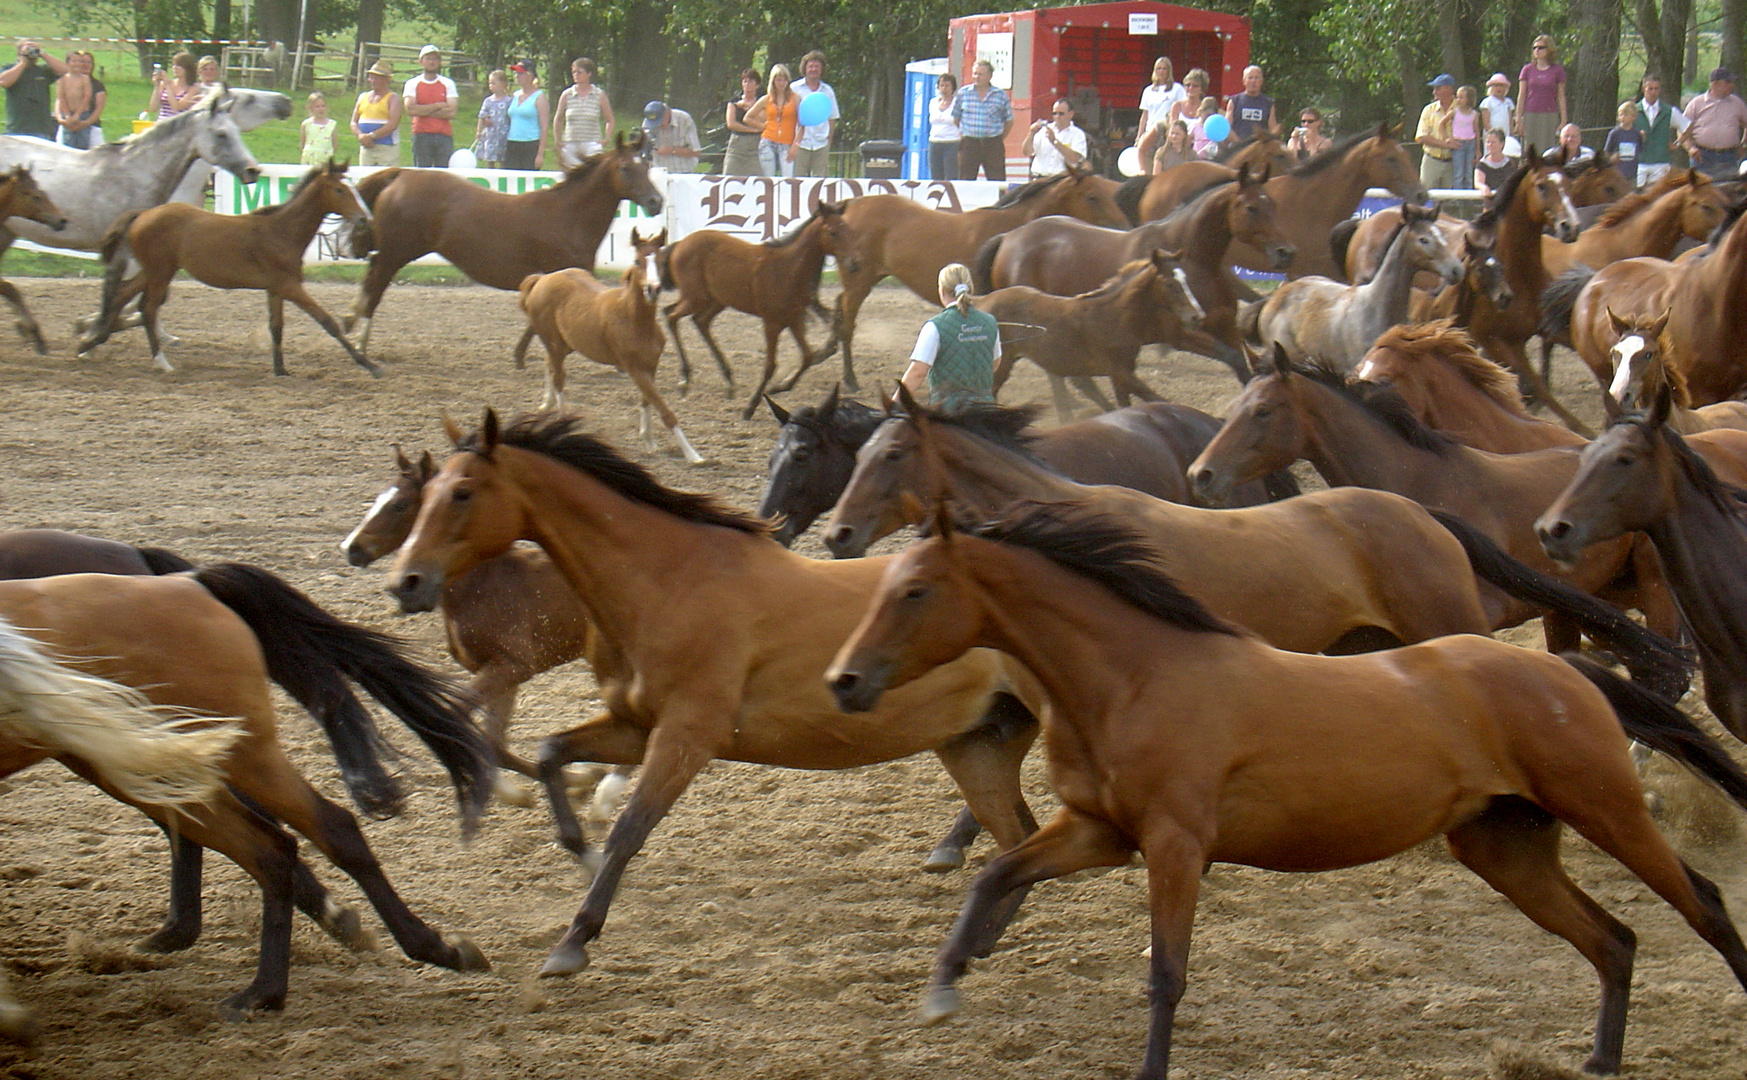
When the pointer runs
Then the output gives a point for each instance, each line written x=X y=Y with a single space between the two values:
x=673 y=137
x=1435 y=135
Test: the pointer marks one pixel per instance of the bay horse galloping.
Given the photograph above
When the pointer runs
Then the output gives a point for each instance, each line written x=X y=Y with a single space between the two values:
x=903 y=238
x=1193 y=742
x=262 y=250
x=778 y=281
x=495 y=239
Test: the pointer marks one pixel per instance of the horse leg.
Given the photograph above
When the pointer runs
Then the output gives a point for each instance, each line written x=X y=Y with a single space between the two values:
x=151 y=300
x=1174 y=864
x=985 y=764
x=1124 y=381
x=772 y=335
x=377 y=277
x=496 y=684
x=673 y=313
x=849 y=301
x=302 y=299
x=949 y=854
x=1003 y=369
x=675 y=756
x=181 y=927
x=1204 y=344
x=1064 y=405
x=1071 y=841
x=276 y=327
x=702 y=320
x=1534 y=389
x=652 y=398
x=27 y=324
x=603 y=739
x=1085 y=385
x=17 y=1023
x=807 y=358
x=556 y=351
x=522 y=347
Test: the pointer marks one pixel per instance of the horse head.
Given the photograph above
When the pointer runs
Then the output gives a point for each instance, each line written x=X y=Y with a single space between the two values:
x=630 y=173
x=1597 y=181
x=1262 y=432
x=1640 y=369
x=390 y=518
x=337 y=193
x=1623 y=484
x=645 y=250
x=1251 y=217
x=1263 y=150
x=218 y=140
x=1549 y=199
x=1174 y=284
x=1385 y=163
x=23 y=198
x=837 y=237
x=1082 y=193
x=812 y=460
x=467 y=515
x=1702 y=205
x=1485 y=274
x=252 y=108
x=1429 y=250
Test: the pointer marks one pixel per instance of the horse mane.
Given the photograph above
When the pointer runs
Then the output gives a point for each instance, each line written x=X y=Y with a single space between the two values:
x=1725 y=496
x=561 y=438
x=1733 y=215
x=1334 y=155
x=1191 y=203
x=1383 y=404
x=793 y=234
x=1015 y=196
x=1003 y=425
x=583 y=169
x=1115 y=283
x=308 y=177
x=1108 y=551
x=1444 y=340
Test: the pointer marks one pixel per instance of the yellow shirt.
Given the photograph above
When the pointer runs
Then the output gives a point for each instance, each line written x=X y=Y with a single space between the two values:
x=1434 y=122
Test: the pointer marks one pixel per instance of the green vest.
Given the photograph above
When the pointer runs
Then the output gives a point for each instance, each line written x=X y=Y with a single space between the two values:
x=964 y=369
x=1655 y=148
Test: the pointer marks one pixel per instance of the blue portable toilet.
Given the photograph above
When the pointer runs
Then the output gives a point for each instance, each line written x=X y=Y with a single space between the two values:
x=919 y=79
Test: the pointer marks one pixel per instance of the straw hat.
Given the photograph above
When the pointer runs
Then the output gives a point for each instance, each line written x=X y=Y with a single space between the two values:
x=381 y=67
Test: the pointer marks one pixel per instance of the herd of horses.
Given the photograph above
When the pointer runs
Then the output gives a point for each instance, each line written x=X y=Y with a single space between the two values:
x=1148 y=590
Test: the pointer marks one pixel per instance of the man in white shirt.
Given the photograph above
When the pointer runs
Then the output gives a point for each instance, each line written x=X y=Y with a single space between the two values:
x=1662 y=124
x=1056 y=143
x=432 y=102
x=813 y=142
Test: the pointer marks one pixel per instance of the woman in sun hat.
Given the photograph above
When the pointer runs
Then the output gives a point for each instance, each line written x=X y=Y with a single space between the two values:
x=1497 y=105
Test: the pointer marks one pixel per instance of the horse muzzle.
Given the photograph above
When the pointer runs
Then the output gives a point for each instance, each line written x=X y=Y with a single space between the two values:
x=857 y=691
x=58 y=224
x=1211 y=488
x=250 y=174
x=357 y=554
x=846 y=542
x=417 y=592
x=1559 y=539
x=1566 y=232
x=1280 y=255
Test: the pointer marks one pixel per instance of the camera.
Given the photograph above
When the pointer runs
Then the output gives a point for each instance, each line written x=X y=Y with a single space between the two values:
x=32 y=52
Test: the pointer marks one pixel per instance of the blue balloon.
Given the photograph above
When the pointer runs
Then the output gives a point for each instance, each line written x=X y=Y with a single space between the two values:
x=815 y=109
x=1216 y=126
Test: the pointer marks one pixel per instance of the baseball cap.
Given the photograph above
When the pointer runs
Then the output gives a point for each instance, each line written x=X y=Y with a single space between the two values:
x=1498 y=79
x=1722 y=74
x=526 y=67
x=654 y=113
x=428 y=50
x=1442 y=80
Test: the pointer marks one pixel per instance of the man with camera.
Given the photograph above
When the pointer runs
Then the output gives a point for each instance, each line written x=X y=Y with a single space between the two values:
x=27 y=91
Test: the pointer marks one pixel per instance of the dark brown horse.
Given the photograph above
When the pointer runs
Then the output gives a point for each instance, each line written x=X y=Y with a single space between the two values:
x=903 y=238
x=776 y=281
x=495 y=239
x=1065 y=257
x=1192 y=742
x=1641 y=476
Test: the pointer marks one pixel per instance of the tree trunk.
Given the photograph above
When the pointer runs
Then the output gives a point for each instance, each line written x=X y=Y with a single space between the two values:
x=221 y=20
x=1593 y=82
x=1520 y=22
x=1664 y=36
x=278 y=22
x=1412 y=92
x=683 y=86
x=1734 y=26
x=370 y=13
x=642 y=67
x=1461 y=37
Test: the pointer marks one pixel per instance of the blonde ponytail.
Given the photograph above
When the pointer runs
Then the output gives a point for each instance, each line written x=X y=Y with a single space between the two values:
x=955 y=281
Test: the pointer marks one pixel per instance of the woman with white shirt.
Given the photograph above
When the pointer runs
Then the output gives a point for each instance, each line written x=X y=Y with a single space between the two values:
x=1157 y=103
x=943 y=133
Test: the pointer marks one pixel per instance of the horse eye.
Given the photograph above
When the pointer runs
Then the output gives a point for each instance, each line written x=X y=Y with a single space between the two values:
x=896 y=453
x=916 y=592
x=398 y=505
x=802 y=453
x=461 y=495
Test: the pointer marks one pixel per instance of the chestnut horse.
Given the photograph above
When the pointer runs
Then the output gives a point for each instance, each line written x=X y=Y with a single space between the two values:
x=1065 y=257
x=1318 y=316
x=20 y=197
x=1193 y=742
x=1641 y=476
x=207 y=642
x=778 y=281
x=1641 y=369
x=1363 y=434
x=911 y=242
x=263 y=250
x=718 y=635
x=1148 y=198
x=1075 y=338
x=1706 y=299
x=495 y=239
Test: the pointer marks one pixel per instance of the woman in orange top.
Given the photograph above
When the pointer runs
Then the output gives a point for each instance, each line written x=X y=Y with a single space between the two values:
x=777 y=110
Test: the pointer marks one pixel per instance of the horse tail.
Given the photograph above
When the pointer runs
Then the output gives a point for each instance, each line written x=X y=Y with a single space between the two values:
x=664 y=268
x=1658 y=723
x=369 y=190
x=983 y=265
x=1340 y=238
x=1651 y=658
x=160 y=561
x=1128 y=197
x=1249 y=321
x=115 y=239
x=1559 y=301
x=526 y=289
x=311 y=654
x=372 y=186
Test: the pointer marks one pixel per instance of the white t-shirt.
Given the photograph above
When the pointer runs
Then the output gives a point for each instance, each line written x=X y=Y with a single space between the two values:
x=1045 y=158
x=1156 y=102
x=928 y=344
x=815 y=136
x=941 y=126
x=409 y=93
x=1497 y=112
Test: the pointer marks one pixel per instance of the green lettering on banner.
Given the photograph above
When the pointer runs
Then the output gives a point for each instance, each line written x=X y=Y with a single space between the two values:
x=251 y=197
x=288 y=187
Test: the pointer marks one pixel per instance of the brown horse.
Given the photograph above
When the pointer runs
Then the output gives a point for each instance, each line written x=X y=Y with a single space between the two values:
x=1641 y=370
x=1596 y=182
x=1065 y=257
x=718 y=635
x=1074 y=338
x=778 y=281
x=1641 y=476
x=1325 y=191
x=911 y=242
x=1706 y=300
x=1192 y=742
x=572 y=310
x=262 y=250
x=1648 y=223
x=495 y=239
x=207 y=642
x=21 y=198
x=1318 y=316
x=1148 y=198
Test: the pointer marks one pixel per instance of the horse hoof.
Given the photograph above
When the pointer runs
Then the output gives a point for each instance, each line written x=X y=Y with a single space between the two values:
x=591 y=860
x=565 y=960
x=240 y=1004
x=939 y=1003
x=345 y=927
x=510 y=793
x=468 y=956
x=943 y=860
x=17 y=1025
x=168 y=939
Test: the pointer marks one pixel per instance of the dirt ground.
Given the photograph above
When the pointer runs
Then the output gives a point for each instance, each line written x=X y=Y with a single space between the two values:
x=777 y=925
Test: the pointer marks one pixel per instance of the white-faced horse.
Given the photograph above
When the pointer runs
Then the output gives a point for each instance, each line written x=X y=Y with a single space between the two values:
x=94 y=187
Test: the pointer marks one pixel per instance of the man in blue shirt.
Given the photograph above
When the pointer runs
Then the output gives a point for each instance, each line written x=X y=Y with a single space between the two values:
x=984 y=115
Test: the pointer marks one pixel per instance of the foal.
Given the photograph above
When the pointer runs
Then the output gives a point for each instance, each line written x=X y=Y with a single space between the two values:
x=21 y=198
x=262 y=250
x=573 y=311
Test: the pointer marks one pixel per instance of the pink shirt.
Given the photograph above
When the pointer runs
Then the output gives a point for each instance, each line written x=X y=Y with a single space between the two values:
x=1464 y=125
x=1541 y=88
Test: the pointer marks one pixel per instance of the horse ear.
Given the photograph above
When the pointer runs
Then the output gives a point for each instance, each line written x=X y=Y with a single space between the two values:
x=907 y=401
x=635 y=239
x=427 y=467
x=1282 y=362
x=1659 y=408
x=781 y=414
x=488 y=432
x=829 y=408
x=1243 y=175
x=889 y=402
x=943 y=526
x=400 y=460
x=1654 y=330
x=452 y=430
x=1620 y=325
x=660 y=238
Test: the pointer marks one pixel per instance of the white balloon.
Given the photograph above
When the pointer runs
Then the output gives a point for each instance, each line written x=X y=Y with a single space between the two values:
x=463 y=159
x=1128 y=162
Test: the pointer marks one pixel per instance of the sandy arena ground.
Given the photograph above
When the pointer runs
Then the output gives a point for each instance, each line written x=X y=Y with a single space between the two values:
x=777 y=925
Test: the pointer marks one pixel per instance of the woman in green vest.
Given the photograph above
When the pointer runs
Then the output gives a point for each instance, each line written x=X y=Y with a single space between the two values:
x=957 y=349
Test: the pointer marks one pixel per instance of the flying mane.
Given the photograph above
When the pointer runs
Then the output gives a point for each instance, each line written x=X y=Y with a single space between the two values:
x=1444 y=340
x=1638 y=200
x=561 y=438
x=1383 y=404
